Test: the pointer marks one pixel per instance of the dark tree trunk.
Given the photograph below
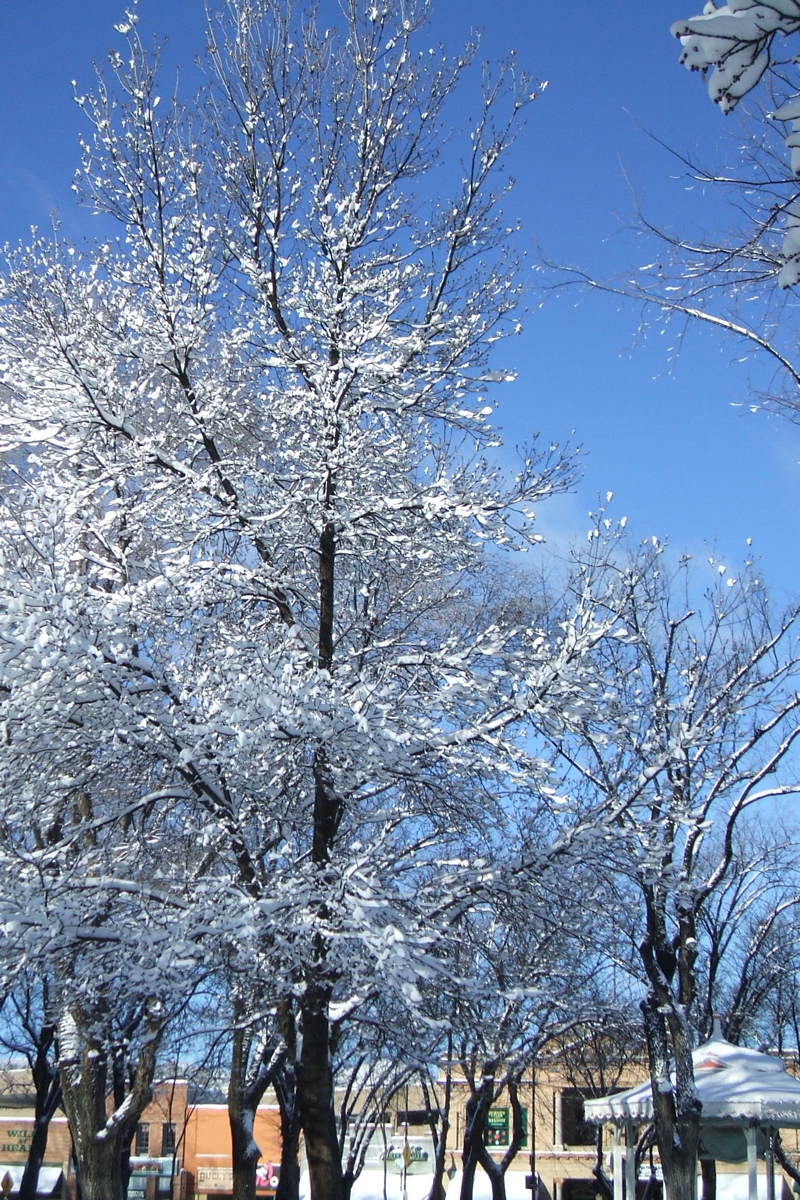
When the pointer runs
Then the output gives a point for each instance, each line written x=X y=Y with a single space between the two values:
x=676 y=1109
x=30 y=1177
x=670 y=962
x=475 y=1113
x=286 y=1092
x=605 y=1188
x=314 y=1073
x=245 y=1154
x=709 y=1171
x=440 y=1129
x=246 y=1086
x=48 y=1098
x=497 y=1170
x=496 y=1174
x=315 y=1095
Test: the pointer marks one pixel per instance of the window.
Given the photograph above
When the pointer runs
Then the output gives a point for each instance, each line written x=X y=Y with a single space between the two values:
x=141 y=1147
x=168 y=1140
x=575 y=1129
x=411 y=1116
x=578 y=1189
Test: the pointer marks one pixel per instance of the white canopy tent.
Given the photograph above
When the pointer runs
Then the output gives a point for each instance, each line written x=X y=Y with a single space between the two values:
x=746 y=1096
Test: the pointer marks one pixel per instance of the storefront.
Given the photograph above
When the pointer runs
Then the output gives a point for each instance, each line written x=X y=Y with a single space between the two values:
x=207 y=1152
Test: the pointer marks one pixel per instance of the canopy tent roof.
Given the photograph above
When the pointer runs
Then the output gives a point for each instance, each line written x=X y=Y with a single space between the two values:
x=734 y=1084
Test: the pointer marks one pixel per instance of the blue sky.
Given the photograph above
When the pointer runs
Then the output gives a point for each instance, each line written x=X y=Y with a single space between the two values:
x=674 y=441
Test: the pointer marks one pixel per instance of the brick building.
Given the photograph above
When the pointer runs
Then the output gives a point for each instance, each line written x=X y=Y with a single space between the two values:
x=181 y=1150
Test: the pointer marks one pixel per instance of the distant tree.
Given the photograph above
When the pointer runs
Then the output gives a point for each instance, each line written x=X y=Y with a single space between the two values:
x=596 y=1055
x=520 y=975
x=749 y=937
x=375 y=1058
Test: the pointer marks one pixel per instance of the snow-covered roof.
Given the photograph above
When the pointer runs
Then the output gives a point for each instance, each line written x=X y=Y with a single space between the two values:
x=734 y=1085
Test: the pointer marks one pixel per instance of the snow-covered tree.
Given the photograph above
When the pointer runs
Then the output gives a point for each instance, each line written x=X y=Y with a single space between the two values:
x=700 y=728
x=735 y=270
x=250 y=490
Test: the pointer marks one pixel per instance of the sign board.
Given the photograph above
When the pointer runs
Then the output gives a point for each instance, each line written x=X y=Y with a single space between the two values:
x=414 y=1156
x=16 y=1140
x=220 y=1179
x=214 y=1179
x=267 y=1176
x=154 y=1166
x=496 y=1133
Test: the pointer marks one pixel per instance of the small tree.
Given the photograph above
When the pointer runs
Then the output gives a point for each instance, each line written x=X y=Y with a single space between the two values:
x=28 y=1031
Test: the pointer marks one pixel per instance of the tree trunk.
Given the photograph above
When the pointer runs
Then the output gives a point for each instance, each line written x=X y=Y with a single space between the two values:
x=315 y=1087
x=605 y=1189
x=246 y=1086
x=48 y=1098
x=286 y=1093
x=474 y=1125
x=441 y=1129
x=245 y=1153
x=708 y=1168
x=316 y=1100
x=496 y=1175
x=676 y=1108
x=496 y=1171
x=30 y=1177
x=100 y=1170
x=101 y=1141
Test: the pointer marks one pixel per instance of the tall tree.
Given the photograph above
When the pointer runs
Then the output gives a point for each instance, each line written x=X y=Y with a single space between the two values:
x=249 y=443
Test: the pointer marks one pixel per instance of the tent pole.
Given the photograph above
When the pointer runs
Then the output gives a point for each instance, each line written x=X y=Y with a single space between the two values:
x=630 y=1163
x=617 y=1153
x=752 y=1163
x=770 y=1164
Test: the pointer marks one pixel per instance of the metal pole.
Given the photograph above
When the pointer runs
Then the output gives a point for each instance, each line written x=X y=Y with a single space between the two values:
x=630 y=1162
x=752 y=1163
x=770 y=1164
x=406 y=1153
x=617 y=1161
